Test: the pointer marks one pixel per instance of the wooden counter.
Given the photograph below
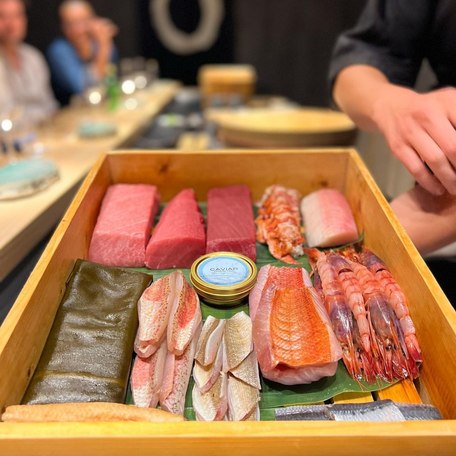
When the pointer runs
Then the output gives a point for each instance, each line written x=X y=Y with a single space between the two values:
x=24 y=222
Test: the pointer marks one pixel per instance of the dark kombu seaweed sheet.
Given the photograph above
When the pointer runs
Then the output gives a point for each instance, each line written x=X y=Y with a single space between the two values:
x=88 y=352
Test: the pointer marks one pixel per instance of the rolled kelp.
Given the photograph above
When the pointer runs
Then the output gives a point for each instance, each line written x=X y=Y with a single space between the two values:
x=88 y=353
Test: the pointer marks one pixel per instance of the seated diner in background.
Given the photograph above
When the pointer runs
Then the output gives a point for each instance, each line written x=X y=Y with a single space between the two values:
x=24 y=75
x=81 y=57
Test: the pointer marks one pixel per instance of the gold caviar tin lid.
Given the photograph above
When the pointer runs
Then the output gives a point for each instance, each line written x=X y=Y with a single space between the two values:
x=223 y=278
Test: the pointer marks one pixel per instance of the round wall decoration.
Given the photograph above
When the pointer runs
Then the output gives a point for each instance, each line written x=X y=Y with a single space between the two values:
x=180 y=42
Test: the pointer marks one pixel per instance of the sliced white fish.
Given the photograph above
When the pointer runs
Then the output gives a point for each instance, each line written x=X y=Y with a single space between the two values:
x=255 y=415
x=181 y=369
x=248 y=371
x=242 y=399
x=206 y=376
x=154 y=308
x=212 y=405
x=238 y=340
x=209 y=341
x=146 y=378
x=185 y=317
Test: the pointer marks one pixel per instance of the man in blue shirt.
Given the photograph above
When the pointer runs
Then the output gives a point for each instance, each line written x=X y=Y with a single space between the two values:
x=82 y=56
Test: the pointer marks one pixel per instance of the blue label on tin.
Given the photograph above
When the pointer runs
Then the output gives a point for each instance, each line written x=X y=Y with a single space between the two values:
x=223 y=271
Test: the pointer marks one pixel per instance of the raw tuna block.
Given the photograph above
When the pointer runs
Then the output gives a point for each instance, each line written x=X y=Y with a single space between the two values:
x=328 y=219
x=179 y=237
x=124 y=224
x=230 y=222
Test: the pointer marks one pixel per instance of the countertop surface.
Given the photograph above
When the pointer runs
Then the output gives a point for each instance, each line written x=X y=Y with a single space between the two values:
x=24 y=222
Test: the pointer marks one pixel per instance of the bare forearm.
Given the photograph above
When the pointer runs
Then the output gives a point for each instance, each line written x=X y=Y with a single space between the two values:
x=419 y=128
x=357 y=90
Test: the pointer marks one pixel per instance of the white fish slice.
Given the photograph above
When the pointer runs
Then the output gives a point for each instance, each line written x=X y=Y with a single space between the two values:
x=209 y=341
x=242 y=399
x=255 y=415
x=248 y=371
x=154 y=308
x=238 y=340
x=168 y=376
x=181 y=367
x=146 y=378
x=146 y=349
x=212 y=405
x=185 y=317
x=206 y=376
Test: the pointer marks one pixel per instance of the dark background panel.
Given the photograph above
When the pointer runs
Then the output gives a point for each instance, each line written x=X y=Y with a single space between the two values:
x=288 y=41
x=186 y=15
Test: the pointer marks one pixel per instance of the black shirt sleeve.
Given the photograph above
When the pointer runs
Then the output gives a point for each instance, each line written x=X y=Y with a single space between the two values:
x=390 y=36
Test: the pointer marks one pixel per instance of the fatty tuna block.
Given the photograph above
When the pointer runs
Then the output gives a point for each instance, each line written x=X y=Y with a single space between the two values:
x=328 y=219
x=124 y=224
x=230 y=222
x=179 y=237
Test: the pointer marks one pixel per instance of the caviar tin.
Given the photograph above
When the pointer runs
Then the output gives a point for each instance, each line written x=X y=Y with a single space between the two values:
x=223 y=278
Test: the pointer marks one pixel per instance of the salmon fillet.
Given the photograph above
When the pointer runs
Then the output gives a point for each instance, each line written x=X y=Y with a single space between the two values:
x=292 y=334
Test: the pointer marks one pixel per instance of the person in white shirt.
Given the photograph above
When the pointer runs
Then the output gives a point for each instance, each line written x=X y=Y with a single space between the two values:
x=24 y=75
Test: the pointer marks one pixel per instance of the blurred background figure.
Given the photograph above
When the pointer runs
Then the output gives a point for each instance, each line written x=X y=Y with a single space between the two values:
x=24 y=76
x=81 y=57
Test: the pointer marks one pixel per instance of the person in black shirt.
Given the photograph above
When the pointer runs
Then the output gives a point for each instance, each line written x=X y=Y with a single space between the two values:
x=373 y=70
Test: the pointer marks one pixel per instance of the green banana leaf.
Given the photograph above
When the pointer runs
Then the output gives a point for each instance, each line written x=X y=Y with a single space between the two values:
x=274 y=395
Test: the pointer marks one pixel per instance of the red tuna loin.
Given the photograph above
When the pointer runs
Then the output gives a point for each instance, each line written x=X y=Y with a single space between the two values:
x=328 y=219
x=179 y=237
x=124 y=224
x=230 y=221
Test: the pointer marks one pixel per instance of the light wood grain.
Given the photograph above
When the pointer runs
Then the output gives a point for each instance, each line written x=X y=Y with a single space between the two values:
x=26 y=327
x=353 y=398
x=228 y=438
x=226 y=80
x=193 y=141
x=203 y=170
x=303 y=127
x=404 y=391
x=24 y=332
x=24 y=222
x=432 y=313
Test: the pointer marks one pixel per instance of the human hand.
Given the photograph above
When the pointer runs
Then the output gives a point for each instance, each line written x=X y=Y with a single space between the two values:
x=429 y=220
x=103 y=30
x=420 y=131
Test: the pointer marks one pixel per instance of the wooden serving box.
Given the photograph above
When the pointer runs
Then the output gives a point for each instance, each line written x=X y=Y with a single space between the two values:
x=24 y=332
x=225 y=81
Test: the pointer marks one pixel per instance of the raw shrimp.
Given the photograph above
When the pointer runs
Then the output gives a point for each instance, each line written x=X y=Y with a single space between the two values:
x=328 y=286
x=353 y=294
x=397 y=299
x=279 y=223
x=391 y=358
